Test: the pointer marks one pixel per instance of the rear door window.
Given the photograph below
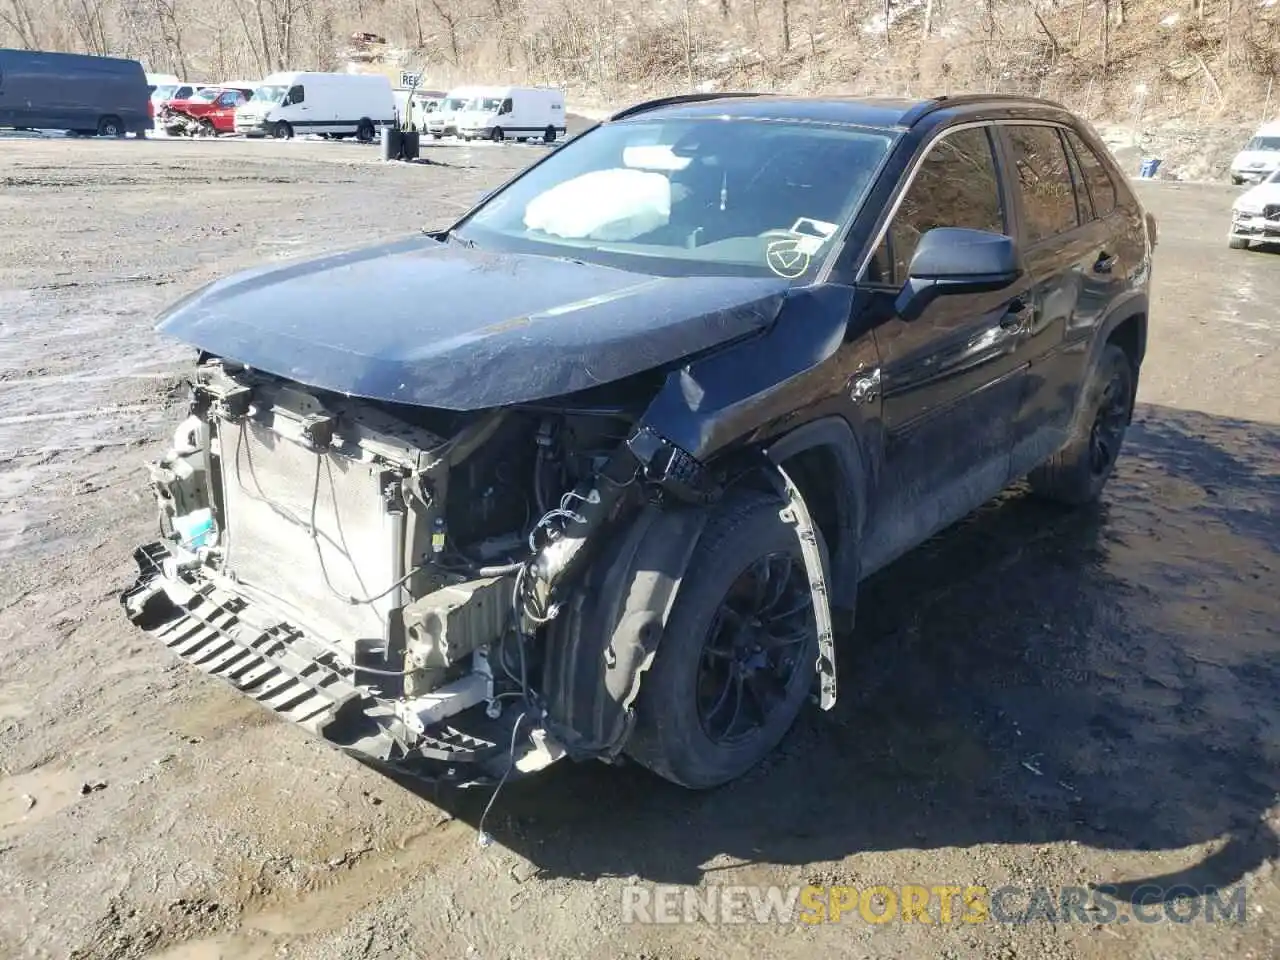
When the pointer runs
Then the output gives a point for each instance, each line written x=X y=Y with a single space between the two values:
x=1044 y=181
x=1096 y=177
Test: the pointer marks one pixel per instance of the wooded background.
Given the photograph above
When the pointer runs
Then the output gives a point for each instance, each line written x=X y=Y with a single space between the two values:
x=1211 y=58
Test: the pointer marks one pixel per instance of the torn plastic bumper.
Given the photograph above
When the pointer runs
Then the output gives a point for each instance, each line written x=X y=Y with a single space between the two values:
x=220 y=632
x=796 y=514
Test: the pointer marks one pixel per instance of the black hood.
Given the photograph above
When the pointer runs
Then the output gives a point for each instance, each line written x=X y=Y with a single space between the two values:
x=440 y=325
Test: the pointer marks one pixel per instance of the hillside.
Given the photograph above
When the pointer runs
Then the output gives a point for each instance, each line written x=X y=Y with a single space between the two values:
x=1192 y=74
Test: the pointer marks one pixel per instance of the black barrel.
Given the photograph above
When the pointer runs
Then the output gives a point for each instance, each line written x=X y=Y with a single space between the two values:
x=391 y=143
x=410 y=143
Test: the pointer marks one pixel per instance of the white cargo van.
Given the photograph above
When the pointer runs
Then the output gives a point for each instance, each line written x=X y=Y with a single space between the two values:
x=444 y=121
x=412 y=113
x=514 y=113
x=1260 y=156
x=335 y=104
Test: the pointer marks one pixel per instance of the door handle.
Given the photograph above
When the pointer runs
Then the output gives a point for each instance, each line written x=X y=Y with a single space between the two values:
x=1014 y=314
x=1104 y=263
x=866 y=388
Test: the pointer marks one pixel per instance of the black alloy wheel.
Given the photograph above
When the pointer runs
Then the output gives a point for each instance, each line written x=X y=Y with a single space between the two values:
x=752 y=649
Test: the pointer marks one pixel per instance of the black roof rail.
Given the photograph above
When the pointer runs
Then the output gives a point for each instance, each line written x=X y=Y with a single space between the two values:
x=934 y=104
x=647 y=105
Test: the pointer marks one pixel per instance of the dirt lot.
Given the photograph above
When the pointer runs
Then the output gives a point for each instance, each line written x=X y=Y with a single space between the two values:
x=1047 y=699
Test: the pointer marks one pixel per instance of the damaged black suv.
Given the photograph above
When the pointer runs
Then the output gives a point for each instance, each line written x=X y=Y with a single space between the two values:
x=597 y=471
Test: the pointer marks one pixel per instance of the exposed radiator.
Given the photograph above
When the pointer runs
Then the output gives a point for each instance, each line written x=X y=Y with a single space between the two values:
x=269 y=484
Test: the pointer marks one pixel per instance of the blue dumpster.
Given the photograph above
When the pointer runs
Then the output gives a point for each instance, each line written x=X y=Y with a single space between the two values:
x=1149 y=167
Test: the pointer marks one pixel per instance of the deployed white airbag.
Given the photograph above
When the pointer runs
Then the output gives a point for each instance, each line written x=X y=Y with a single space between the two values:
x=603 y=205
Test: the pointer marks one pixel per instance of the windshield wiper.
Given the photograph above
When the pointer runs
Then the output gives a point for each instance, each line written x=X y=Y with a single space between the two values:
x=456 y=238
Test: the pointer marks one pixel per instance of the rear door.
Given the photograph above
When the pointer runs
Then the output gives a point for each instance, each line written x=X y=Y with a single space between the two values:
x=951 y=380
x=1063 y=247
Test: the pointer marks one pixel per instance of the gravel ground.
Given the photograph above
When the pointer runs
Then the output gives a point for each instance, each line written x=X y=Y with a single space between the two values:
x=1046 y=699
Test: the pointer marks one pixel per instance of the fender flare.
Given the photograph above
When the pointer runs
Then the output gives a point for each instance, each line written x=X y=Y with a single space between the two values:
x=1135 y=305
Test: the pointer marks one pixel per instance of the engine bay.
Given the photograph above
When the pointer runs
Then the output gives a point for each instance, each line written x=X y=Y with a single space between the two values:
x=397 y=536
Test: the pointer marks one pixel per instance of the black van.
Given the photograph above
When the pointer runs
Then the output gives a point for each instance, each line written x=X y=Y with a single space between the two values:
x=70 y=91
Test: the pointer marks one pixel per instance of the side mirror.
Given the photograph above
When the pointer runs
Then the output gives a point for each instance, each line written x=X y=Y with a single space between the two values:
x=951 y=260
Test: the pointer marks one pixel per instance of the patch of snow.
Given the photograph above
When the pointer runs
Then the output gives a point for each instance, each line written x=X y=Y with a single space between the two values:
x=1173 y=18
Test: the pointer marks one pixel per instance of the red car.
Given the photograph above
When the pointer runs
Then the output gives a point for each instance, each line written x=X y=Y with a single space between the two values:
x=210 y=111
x=166 y=92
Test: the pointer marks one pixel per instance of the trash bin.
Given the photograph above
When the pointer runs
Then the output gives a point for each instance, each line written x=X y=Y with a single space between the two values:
x=391 y=143
x=409 y=144
x=1149 y=167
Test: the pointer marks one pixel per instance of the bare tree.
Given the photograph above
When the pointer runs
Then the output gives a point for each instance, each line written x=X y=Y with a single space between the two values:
x=88 y=19
x=18 y=18
x=1106 y=36
x=688 y=41
x=451 y=19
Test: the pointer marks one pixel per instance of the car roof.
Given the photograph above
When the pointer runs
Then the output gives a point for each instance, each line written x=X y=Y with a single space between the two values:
x=896 y=112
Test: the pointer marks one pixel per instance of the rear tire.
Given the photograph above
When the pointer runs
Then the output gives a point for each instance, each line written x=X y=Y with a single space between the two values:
x=364 y=131
x=1076 y=474
x=1237 y=180
x=282 y=131
x=1237 y=243
x=741 y=645
x=549 y=135
x=111 y=126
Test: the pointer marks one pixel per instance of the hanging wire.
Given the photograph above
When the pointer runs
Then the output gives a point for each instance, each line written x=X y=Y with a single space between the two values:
x=483 y=838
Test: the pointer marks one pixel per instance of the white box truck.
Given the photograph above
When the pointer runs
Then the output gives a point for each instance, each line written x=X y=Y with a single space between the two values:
x=334 y=104
x=444 y=121
x=514 y=113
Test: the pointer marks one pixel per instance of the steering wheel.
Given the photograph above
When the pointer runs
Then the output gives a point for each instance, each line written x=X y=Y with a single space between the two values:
x=777 y=233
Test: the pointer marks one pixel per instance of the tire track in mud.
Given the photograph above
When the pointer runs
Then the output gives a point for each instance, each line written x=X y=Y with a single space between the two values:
x=73 y=381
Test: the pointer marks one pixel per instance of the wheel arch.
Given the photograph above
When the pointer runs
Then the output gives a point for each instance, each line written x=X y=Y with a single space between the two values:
x=1126 y=327
x=605 y=638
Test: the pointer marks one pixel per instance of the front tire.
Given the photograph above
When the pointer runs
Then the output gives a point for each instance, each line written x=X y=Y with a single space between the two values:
x=1237 y=243
x=1076 y=474
x=738 y=655
x=282 y=131
x=497 y=136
